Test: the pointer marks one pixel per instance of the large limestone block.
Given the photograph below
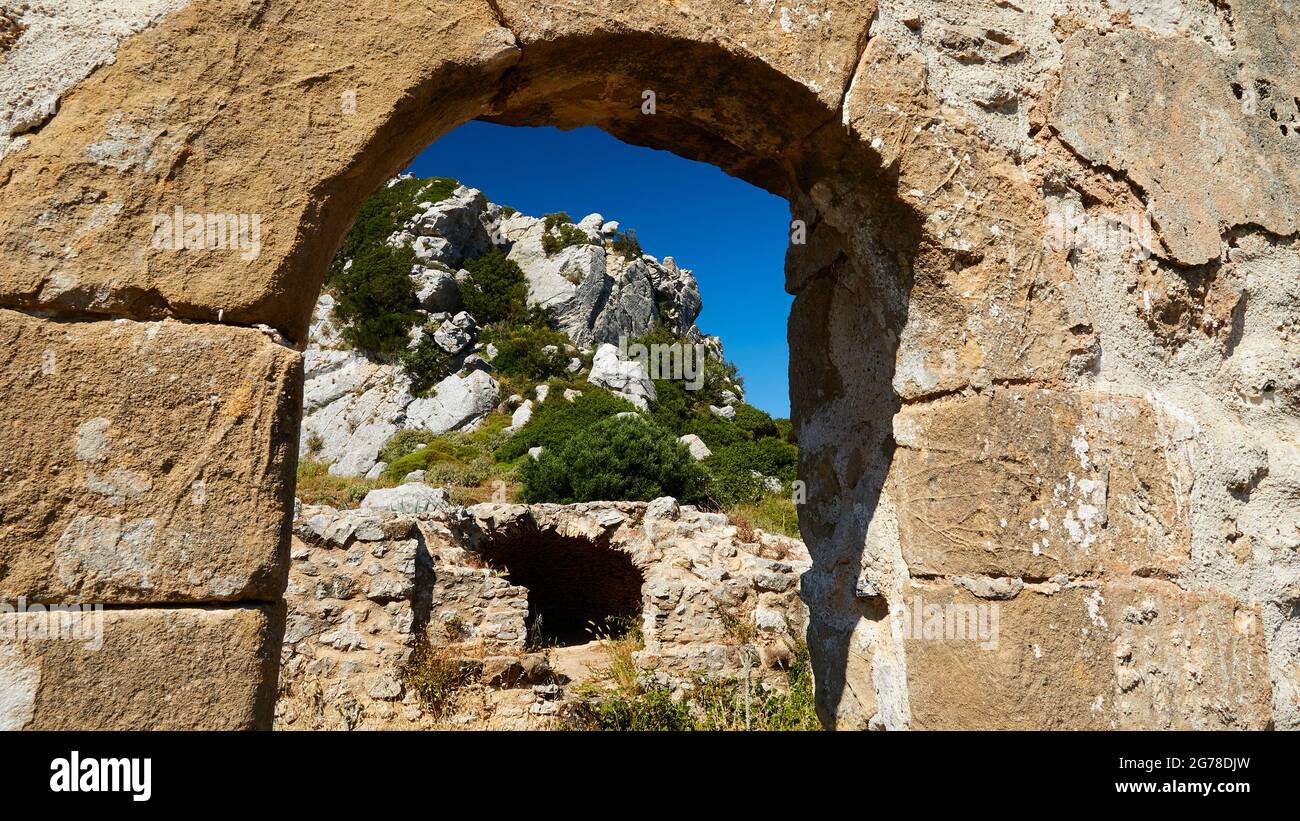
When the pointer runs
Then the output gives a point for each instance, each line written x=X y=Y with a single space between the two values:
x=1204 y=133
x=1127 y=654
x=150 y=669
x=144 y=462
x=344 y=95
x=1032 y=483
x=985 y=300
x=816 y=42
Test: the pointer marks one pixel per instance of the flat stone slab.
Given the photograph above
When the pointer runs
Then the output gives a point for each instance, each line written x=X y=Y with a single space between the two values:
x=1122 y=654
x=144 y=462
x=1031 y=483
x=209 y=668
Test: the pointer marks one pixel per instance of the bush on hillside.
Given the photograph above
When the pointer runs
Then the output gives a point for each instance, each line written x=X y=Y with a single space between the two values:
x=456 y=458
x=495 y=290
x=554 y=220
x=758 y=424
x=375 y=300
x=521 y=351
x=374 y=297
x=385 y=212
x=626 y=244
x=618 y=458
x=564 y=236
x=426 y=364
x=558 y=420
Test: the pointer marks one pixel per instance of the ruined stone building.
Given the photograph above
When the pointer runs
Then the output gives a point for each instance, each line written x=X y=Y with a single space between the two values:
x=1045 y=339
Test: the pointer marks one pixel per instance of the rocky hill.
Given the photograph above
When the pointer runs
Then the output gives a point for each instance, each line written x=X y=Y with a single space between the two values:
x=448 y=315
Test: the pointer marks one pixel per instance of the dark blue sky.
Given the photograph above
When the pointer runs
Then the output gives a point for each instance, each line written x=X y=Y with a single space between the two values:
x=730 y=233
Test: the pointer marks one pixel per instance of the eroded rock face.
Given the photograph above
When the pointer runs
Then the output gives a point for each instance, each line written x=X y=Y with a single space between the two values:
x=1023 y=225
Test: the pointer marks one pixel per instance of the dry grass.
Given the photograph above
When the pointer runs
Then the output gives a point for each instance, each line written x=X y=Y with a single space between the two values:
x=619 y=639
x=317 y=487
x=436 y=676
x=774 y=513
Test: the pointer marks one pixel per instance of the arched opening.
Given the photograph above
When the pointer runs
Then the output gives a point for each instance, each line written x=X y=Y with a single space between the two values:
x=854 y=247
x=577 y=588
x=923 y=290
x=751 y=110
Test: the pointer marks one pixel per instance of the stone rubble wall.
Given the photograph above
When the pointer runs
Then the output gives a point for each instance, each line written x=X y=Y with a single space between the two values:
x=1098 y=436
x=369 y=586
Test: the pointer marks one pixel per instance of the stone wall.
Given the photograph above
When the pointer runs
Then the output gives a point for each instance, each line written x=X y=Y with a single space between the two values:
x=369 y=589
x=1044 y=337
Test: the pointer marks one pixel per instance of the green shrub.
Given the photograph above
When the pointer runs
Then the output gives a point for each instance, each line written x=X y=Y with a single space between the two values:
x=754 y=421
x=556 y=421
x=731 y=469
x=714 y=430
x=458 y=458
x=375 y=300
x=720 y=703
x=616 y=458
x=495 y=290
x=386 y=211
x=712 y=703
x=785 y=429
x=374 y=296
x=775 y=513
x=404 y=442
x=554 y=220
x=649 y=709
x=435 y=676
x=565 y=236
x=520 y=351
x=626 y=244
x=426 y=364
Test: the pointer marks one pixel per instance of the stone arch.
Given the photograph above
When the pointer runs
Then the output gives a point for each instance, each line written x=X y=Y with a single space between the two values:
x=911 y=399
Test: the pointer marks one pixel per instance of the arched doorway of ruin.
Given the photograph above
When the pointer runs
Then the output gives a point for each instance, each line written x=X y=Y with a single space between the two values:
x=849 y=236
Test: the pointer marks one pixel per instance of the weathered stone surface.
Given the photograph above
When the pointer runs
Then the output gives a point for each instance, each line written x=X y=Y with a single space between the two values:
x=209 y=668
x=147 y=462
x=925 y=163
x=1137 y=653
x=1197 y=133
x=625 y=377
x=410 y=498
x=87 y=190
x=1029 y=483
x=456 y=402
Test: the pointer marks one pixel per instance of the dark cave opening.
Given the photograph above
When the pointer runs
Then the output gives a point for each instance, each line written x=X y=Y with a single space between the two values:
x=575 y=585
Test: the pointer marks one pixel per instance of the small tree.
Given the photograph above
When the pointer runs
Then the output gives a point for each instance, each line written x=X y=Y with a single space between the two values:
x=618 y=458
x=496 y=289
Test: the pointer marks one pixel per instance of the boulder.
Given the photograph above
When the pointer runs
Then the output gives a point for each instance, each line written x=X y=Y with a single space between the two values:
x=457 y=402
x=696 y=446
x=521 y=415
x=455 y=335
x=625 y=377
x=726 y=412
x=449 y=231
x=436 y=289
x=410 y=498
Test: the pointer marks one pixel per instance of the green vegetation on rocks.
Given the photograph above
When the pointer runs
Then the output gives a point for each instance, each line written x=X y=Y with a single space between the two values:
x=616 y=458
x=374 y=296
